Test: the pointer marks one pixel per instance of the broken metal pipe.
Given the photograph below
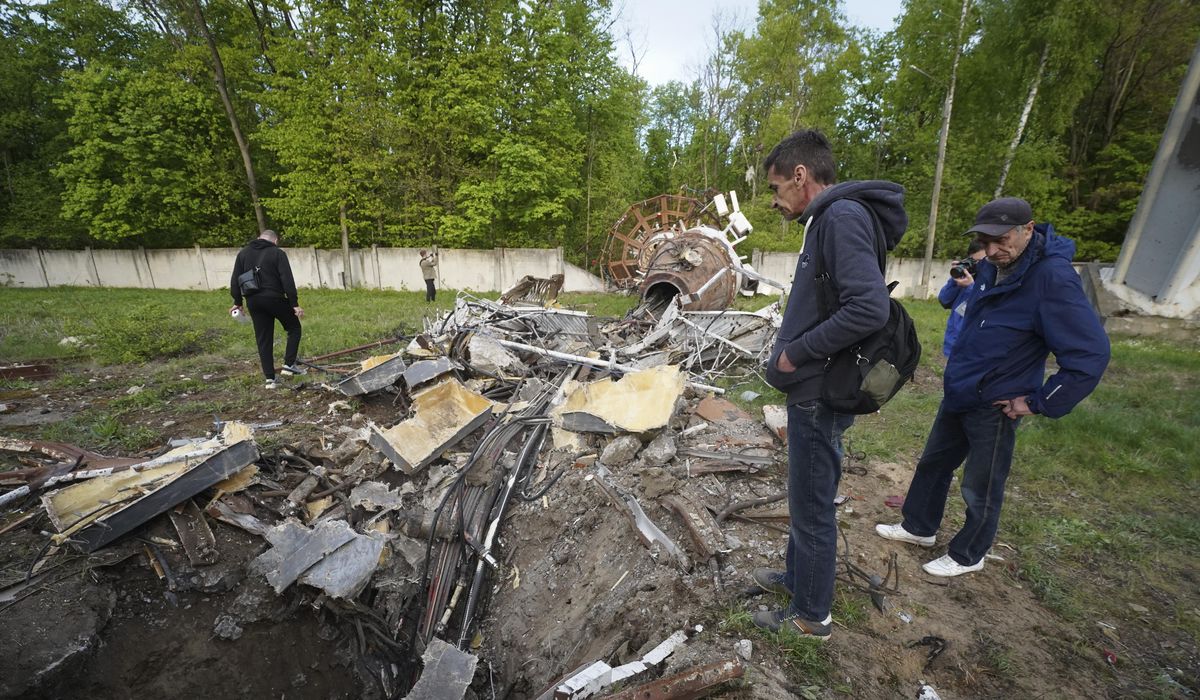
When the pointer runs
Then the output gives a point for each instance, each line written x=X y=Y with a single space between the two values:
x=593 y=362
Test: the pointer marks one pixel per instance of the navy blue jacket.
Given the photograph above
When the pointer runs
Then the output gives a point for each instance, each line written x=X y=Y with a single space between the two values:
x=955 y=298
x=1010 y=329
x=845 y=233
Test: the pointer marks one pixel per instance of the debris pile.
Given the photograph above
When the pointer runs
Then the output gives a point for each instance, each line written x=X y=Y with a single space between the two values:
x=529 y=478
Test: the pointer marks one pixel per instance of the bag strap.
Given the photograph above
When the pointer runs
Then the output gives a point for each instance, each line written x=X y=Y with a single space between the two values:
x=825 y=286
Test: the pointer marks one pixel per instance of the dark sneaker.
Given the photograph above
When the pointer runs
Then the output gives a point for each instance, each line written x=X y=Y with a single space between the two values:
x=776 y=620
x=289 y=370
x=770 y=580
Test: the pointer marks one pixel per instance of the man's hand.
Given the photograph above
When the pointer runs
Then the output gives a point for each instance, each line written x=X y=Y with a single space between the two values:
x=966 y=280
x=235 y=307
x=1014 y=408
x=783 y=364
x=299 y=311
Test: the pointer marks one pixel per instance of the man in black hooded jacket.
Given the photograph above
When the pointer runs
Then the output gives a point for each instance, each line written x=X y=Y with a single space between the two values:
x=276 y=300
x=840 y=226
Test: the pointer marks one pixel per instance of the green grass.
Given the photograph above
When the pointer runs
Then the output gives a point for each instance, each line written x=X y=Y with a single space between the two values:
x=804 y=659
x=34 y=321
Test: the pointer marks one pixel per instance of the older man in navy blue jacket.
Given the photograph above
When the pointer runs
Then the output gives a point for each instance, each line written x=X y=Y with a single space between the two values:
x=1028 y=303
x=848 y=226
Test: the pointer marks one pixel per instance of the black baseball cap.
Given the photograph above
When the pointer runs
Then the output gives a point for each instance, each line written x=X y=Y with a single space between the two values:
x=1000 y=216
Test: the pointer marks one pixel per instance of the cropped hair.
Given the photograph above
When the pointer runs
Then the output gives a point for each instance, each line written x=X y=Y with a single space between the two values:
x=807 y=147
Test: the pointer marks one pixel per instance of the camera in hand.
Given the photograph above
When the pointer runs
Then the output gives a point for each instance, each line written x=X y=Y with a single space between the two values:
x=964 y=267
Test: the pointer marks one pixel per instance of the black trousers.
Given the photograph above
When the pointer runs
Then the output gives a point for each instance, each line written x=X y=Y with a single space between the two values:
x=430 y=292
x=265 y=311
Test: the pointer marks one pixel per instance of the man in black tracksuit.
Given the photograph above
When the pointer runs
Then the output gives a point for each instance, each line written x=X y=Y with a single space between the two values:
x=275 y=301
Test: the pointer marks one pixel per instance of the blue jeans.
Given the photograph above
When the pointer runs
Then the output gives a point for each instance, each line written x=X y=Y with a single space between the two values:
x=984 y=438
x=814 y=470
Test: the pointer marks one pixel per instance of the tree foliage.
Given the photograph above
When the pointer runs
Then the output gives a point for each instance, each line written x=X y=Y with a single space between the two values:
x=490 y=123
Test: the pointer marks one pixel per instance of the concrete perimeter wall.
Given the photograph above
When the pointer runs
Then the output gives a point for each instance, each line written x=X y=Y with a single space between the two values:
x=210 y=268
x=907 y=271
x=371 y=268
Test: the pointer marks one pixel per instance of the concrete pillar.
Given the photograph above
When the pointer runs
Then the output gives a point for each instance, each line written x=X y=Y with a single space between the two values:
x=92 y=262
x=203 y=269
x=149 y=272
x=42 y=265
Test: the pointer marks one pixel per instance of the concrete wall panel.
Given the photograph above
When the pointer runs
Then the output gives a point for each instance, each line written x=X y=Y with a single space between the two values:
x=305 y=270
x=476 y=270
x=218 y=266
x=71 y=268
x=21 y=268
x=363 y=265
x=577 y=279
x=399 y=268
x=122 y=268
x=176 y=269
x=329 y=263
x=515 y=263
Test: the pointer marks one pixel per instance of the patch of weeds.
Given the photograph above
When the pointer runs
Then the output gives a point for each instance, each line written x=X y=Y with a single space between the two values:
x=16 y=385
x=144 y=399
x=997 y=658
x=1050 y=590
x=738 y=621
x=804 y=657
x=145 y=331
x=73 y=431
x=111 y=430
x=849 y=610
x=69 y=380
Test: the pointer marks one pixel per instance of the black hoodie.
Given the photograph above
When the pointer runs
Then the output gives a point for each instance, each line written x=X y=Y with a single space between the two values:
x=845 y=234
x=274 y=270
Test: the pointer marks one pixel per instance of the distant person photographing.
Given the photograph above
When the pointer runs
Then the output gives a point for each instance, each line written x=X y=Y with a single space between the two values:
x=263 y=276
x=429 y=263
x=1028 y=303
x=957 y=291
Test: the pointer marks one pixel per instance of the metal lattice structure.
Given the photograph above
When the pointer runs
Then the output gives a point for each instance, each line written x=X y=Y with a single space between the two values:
x=635 y=237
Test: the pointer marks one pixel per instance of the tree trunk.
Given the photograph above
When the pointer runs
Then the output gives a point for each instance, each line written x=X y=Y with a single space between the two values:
x=947 y=108
x=223 y=91
x=262 y=34
x=347 y=273
x=1012 y=147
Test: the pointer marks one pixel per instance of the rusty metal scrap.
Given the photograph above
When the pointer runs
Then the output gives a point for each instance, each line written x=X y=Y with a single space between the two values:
x=597 y=676
x=705 y=532
x=645 y=527
x=27 y=371
x=675 y=251
x=696 y=682
x=194 y=534
x=636 y=235
x=534 y=290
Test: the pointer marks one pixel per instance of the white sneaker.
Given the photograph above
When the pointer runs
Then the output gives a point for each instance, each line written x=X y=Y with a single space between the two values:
x=945 y=566
x=898 y=533
x=270 y=384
